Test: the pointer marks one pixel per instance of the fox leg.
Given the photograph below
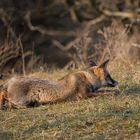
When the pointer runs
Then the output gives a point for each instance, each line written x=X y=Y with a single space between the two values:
x=82 y=95
x=91 y=94
x=10 y=106
x=1 y=101
x=3 y=96
x=85 y=93
x=16 y=105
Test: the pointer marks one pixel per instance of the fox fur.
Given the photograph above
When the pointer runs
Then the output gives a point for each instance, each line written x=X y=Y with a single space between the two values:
x=23 y=92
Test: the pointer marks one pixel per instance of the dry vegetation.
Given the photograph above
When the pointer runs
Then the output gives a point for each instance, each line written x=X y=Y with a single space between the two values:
x=114 y=116
x=38 y=24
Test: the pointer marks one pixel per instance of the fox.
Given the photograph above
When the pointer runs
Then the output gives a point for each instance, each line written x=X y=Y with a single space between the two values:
x=24 y=92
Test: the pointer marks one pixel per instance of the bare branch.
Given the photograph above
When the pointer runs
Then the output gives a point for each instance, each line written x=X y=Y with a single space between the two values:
x=43 y=30
x=62 y=47
x=23 y=57
x=94 y=21
x=5 y=19
x=120 y=14
x=136 y=45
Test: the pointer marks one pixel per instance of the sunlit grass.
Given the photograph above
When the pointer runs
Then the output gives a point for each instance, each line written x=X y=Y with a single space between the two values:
x=102 y=117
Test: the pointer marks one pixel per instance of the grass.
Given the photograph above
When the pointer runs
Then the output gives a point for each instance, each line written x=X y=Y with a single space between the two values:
x=105 y=117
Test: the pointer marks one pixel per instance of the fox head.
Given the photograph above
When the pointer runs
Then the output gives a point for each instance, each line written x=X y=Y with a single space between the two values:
x=102 y=76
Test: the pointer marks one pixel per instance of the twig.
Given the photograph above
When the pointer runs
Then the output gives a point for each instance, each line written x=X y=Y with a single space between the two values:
x=120 y=14
x=68 y=65
x=136 y=45
x=62 y=47
x=73 y=14
x=94 y=21
x=3 y=122
x=23 y=57
x=5 y=19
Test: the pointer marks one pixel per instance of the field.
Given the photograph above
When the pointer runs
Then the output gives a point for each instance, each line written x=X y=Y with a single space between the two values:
x=114 y=116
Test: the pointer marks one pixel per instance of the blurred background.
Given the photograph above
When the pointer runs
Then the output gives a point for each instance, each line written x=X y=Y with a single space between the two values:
x=47 y=34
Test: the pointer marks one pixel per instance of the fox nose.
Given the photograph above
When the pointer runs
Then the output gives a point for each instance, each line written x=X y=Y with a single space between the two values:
x=112 y=83
x=115 y=83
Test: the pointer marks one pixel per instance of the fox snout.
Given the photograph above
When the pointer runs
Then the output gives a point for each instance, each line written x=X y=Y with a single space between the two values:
x=111 y=82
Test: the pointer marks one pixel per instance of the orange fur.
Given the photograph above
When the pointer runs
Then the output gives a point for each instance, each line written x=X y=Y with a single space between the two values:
x=3 y=95
x=99 y=72
x=85 y=75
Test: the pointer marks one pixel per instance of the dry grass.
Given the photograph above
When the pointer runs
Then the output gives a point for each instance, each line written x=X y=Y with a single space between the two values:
x=120 y=43
x=102 y=117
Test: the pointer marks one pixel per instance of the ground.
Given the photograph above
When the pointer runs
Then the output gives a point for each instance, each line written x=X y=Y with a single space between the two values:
x=114 y=116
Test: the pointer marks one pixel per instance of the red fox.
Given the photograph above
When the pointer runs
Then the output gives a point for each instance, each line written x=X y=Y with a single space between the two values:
x=23 y=92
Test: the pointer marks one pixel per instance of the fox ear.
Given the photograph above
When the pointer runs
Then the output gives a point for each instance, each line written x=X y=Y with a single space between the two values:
x=91 y=63
x=104 y=64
